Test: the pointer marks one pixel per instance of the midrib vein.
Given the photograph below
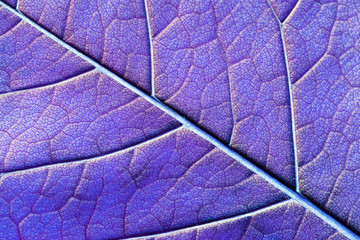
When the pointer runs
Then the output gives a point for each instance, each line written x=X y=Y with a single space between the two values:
x=301 y=200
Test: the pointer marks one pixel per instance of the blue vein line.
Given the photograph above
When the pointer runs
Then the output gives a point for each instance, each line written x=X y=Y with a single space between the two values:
x=301 y=200
x=293 y=127
x=230 y=91
x=292 y=10
x=232 y=105
x=93 y=158
x=230 y=83
x=213 y=223
x=54 y=84
x=153 y=93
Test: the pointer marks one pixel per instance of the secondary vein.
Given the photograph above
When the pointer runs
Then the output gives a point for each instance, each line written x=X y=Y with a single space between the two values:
x=293 y=126
x=153 y=92
x=213 y=223
x=106 y=154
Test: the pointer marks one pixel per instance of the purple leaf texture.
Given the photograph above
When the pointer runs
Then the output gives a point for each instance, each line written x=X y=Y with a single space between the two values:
x=169 y=119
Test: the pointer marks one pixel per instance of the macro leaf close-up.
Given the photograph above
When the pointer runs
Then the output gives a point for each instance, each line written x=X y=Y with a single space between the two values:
x=179 y=119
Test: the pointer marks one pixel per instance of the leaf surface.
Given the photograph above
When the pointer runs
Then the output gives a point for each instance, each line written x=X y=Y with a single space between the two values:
x=176 y=180
x=113 y=33
x=235 y=49
x=84 y=157
x=30 y=59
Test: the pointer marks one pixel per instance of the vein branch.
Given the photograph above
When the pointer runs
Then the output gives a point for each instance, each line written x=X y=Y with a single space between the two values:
x=301 y=200
x=106 y=154
x=54 y=84
x=293 y=125
x=153 y=92
x=213 y=223
x=17 y=5
x=230 y=82
x=292 y=10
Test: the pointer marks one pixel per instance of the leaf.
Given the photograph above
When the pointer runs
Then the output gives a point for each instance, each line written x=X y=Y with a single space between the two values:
x=84 y=157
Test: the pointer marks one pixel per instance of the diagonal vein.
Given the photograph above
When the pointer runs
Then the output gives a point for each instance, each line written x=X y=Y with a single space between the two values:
x=229 y=80
x=301 y=200
x=212 y=223
x=54 y=84
x=107 y=154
